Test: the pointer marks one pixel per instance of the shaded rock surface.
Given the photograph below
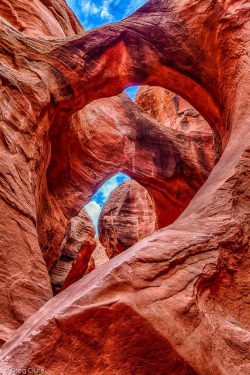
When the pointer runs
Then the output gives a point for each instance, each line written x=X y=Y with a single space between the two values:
x=112 y=135
x=98 y=256
x=76 y=250
x=42 y=18
x=177 y=301
x=127 y=216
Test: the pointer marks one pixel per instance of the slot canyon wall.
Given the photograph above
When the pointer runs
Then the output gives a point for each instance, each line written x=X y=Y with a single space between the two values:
x=175 y=302
x=75 y=252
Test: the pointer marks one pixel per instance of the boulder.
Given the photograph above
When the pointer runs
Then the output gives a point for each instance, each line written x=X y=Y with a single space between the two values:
x=127 y=216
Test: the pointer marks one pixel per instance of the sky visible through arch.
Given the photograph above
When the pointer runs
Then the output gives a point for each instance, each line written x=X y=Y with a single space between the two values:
x=99 y=198
x=94 y=13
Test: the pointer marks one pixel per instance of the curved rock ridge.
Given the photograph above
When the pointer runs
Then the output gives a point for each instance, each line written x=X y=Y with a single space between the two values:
x=112 y=135
x=127 y=216
x=170 y=109
x=176 y=302
x=65 y=195
x=76 y=249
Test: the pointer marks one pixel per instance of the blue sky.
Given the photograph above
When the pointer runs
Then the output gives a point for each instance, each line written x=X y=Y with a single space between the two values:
x=99 y=198
x=94 y=13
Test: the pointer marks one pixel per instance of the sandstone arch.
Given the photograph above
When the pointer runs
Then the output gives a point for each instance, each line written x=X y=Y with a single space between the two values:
x=31 y=135
x=211 y=334
x=113 y=134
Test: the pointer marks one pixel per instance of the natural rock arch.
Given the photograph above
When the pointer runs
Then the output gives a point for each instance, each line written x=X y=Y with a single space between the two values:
x=214 y=223
x=112 y=135
x=30 y=134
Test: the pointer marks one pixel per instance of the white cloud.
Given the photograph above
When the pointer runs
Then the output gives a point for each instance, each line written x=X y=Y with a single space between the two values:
x=90 y=8
x=71 y=3
x=105 y=10
x=94 y=9
x=86 y=7
x=93 y=209
x=109 y=186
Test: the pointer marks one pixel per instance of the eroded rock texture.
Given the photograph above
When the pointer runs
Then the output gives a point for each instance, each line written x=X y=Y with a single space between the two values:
x=98 y=256
x=113 y=135
x=27 y=91
x=176 y=302
x=127 y=216
x=171 y=110
x=76 y=250
x=46 y=18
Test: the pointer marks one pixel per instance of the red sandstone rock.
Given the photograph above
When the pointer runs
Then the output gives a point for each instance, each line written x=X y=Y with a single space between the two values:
x=42 y=18
x=99 y=254
x=127 y=216
x=76 y=250
x=176 y=302
x=68 y=188
x=98 y=257
x=113 y=135
x=170 y=109
x=24 y=154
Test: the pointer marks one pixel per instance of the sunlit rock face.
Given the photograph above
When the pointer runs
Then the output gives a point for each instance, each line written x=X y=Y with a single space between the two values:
x=127 y=216
x=171 y=110
x=177 y=301
x=98 y=257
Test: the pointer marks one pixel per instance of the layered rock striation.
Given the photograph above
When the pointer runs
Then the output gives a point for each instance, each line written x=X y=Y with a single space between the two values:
x=41 y=18
x=26 y=115
x=76 y=250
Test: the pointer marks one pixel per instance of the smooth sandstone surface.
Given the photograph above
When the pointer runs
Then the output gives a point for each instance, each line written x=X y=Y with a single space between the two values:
x=115 y=236
x=24 y=154
x=127 y=216
x=112 y=135
x=177 y=301
x=41 y=18
x=98 y=256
